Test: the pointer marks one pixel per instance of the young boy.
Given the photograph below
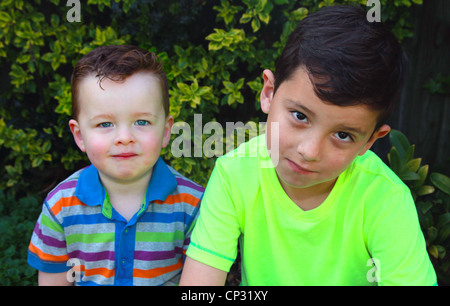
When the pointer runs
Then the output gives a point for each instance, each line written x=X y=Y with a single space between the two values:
x=127 y=218
x=329 y=212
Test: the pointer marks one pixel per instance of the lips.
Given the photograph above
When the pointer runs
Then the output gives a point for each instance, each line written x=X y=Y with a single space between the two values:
x=124 y=155
x=299 y=169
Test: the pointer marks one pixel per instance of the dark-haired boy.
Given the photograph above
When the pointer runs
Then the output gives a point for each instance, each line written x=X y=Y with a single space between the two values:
x=127 y=218
x=329 y=212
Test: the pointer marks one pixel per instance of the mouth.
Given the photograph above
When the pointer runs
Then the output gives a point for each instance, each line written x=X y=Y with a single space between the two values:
x=124 y=155
x=299 y=169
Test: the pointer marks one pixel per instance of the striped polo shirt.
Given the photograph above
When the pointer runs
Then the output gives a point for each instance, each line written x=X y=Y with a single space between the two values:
x=80 y=232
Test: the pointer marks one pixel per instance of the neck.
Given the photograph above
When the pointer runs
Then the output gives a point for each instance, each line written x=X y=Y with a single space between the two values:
x=119 y=188
x=308 y=198
x=126 y=198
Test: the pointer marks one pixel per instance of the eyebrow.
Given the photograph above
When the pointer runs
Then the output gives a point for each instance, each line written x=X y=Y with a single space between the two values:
x=102 y=117
x=143 y=114
x=111 y=116
x=353 y=130
x=298 y=105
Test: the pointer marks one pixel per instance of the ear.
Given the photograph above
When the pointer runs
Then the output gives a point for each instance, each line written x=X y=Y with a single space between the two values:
x=76 y=132
x=267 y=91
x=380 y=133
x=167 y=131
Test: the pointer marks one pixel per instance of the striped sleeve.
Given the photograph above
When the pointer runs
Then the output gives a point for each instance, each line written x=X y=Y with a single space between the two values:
x=47 y=251
x=191 y=196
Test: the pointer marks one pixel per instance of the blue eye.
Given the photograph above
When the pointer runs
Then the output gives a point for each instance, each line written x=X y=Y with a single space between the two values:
x=142 y=122
x=105 y=124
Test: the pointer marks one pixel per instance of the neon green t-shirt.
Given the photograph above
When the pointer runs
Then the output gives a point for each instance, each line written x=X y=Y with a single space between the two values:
x=365 y=233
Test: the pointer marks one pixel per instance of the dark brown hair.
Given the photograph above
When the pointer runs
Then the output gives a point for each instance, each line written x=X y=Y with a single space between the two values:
x=117 y=62
x=349 y=60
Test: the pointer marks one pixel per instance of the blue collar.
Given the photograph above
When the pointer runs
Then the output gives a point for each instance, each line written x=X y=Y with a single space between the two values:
x=91 y=192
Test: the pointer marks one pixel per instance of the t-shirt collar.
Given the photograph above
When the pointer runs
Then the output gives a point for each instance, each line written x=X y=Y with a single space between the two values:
x=91 y=192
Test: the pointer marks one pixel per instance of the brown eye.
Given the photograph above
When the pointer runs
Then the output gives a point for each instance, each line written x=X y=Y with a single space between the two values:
x=344 y=136
x=299 y=116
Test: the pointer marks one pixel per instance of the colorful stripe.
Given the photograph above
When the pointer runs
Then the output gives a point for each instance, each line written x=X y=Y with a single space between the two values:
x=152 y=273
x=104 y=249
x=181 y=197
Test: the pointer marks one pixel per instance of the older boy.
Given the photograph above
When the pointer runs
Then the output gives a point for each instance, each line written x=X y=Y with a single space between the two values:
x=329 y=212
x=127 y=218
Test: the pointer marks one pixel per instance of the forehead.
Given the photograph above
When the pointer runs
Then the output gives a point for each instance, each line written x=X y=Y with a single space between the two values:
x=297 y=93
x=142 y=79
x=142 y=89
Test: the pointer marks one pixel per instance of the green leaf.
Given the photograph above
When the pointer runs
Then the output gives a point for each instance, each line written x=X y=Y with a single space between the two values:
x=46 y=147
x=245 y=18
x=239 y=83
x=424 y=207
x=394 y=160
x=444 y=233
x=5 y=19
x=412 y=165
x=264 y=17
x=36 y=162
x=255 y=24
x=399 y=140
x=433 y=250
x=410 y=153
x=409 y=176
x=184 y=88
x=423 y=172
x=432 y=233
x=48 y=57
x=443 y=220
x=424 y=190
x=441 y=181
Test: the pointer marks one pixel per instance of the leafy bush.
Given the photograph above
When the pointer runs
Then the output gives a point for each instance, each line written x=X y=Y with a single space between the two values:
x=433 y=207
x=15 y=229
x=214 y=53
x=212 y=68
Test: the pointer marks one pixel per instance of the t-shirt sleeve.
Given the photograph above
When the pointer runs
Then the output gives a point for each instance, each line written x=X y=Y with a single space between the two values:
x=47 y=251
x=215 y=237
x=396 y=243
x=190 y=225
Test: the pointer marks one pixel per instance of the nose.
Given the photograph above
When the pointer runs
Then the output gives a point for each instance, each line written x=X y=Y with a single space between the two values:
x=310 y=148
x=124 y=136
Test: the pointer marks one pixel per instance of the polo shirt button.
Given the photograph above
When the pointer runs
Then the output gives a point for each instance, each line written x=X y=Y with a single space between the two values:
x=122 y=261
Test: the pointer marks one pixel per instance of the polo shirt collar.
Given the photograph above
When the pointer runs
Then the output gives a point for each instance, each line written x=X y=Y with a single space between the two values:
x=91 y=192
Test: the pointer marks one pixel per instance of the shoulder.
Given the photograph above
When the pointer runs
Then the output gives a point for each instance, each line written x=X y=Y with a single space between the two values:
x=64 y=189
x=63 y=196
x=244 y=160
x=371 y=171
x=375 y=188
x=187 y=186
x=237 y=176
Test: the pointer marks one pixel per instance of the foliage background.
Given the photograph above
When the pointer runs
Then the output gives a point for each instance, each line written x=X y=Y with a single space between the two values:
x=214 y=53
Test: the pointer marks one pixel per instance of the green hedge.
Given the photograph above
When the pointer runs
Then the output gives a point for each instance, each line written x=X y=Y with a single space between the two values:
x=213 y=51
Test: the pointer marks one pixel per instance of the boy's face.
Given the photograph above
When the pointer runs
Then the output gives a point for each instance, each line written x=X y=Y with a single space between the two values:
x=317 y=141
x=122 y=127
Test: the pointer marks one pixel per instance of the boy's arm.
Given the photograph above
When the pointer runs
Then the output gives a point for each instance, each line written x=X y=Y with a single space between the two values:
x=214 y=240
x=396 y=243
x=196 y=273
x=47 y=251
x=53 y=279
